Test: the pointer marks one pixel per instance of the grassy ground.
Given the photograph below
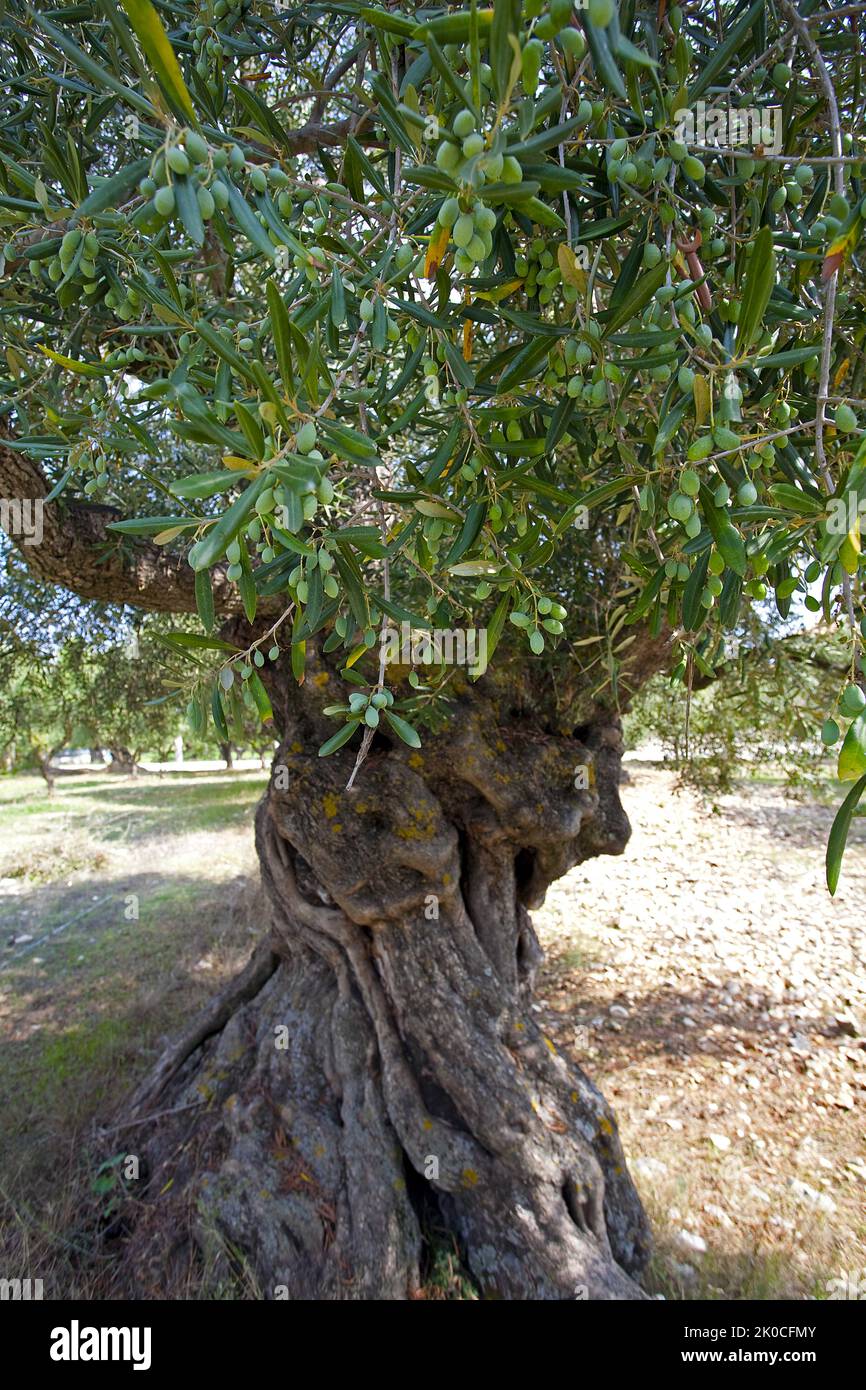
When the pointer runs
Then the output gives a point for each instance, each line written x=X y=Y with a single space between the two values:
x=698 y=979
x=139 y=899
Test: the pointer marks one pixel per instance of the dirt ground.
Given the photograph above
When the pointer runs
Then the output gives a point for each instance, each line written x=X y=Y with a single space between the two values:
x=705 y=980
x=717 y=995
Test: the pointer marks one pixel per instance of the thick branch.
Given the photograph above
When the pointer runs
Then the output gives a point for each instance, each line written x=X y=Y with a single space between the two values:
x=76 y=551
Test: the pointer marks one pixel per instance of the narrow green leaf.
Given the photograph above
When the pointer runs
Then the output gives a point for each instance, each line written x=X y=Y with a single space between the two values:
x=839 y=833
x=260 y=695
x=339 y=738
x=758 y=286
x=188 y=209
x=402 y=729
x=160 y=54
x=852 y=754
x=213 y=546
x=204 y=599
x=199 y=485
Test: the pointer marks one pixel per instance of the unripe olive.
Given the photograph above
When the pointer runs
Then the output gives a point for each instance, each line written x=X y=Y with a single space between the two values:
x=195 y=146
x=464 y=229
x=600 y=12
x=853 y=700
x=463 y=124
x=830 y=732
x=680 y=507
x=305 y=439
x=177 y=160
x=572 y=41
x=700 y=448
x=845 y=419
x=511 y=170
x=163 y=201
x=447 y=157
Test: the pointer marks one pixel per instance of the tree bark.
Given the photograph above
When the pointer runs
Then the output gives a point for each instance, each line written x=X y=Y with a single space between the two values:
x=376 y=1075
x=124 y=762
x=78 y=552
x=48 y=772
x=374 y=1082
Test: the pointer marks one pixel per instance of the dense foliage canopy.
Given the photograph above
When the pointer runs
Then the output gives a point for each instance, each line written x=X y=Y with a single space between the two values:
x=532 y=318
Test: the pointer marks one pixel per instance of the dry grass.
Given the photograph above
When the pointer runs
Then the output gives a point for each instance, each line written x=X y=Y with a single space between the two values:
x=88 y=1003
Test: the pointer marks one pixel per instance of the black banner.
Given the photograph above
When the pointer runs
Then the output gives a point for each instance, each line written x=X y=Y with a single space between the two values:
x=65 y=1339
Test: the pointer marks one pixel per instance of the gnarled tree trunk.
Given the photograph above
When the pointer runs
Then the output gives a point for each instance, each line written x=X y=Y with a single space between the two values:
x=376 y=1072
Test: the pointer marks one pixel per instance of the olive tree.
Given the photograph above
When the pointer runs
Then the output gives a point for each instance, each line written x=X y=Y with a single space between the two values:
x=524 y=346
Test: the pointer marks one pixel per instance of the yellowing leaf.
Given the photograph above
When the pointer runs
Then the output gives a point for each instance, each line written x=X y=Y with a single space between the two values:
x=569 y=267
x=237 y=463
x=501 y=291
x=840 y=248
x=467 y=340
x=849 y=550
x=160 y=54
x=71 y=365
x=703 y=398
x=169 y=316
x=435 y=251
x=840 y=375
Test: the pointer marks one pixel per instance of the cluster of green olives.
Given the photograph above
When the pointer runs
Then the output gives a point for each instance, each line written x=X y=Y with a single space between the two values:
x=538 y=267
x=78 y=270
x=191 y=163
x=213 y=24
x=548 y=617
x=368 y=706
x=94 y=465
x=852 y=703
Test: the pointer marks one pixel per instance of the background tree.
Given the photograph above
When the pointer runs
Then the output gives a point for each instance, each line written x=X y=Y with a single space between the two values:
x=476 y=332
x=759 y=711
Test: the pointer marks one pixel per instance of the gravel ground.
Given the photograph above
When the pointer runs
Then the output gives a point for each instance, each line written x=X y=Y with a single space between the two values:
x=717 y=994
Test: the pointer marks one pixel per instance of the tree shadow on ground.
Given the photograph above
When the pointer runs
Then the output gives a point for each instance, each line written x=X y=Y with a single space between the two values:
x=656 y=1026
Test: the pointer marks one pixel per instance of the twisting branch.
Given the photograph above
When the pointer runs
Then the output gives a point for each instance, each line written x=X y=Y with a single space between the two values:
x=816 y=60
x=76 y=551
